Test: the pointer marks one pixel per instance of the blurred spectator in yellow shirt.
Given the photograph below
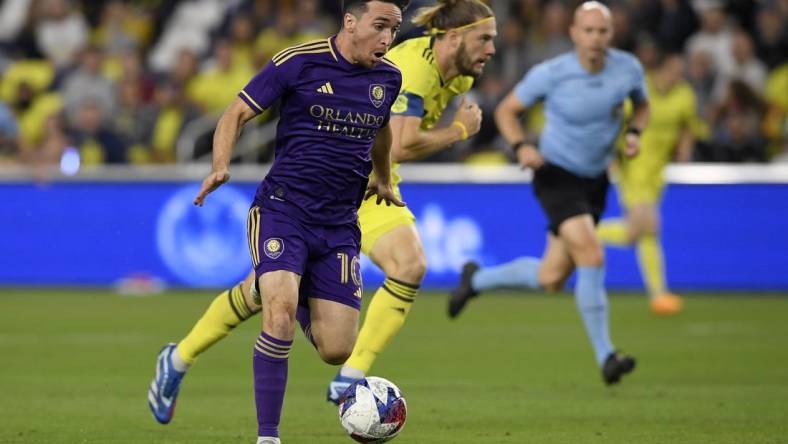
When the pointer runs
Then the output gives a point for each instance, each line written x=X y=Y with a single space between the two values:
x=218 y=84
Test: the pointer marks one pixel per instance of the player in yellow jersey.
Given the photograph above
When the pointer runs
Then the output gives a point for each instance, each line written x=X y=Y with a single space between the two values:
x=435 y=69
x=668 y=136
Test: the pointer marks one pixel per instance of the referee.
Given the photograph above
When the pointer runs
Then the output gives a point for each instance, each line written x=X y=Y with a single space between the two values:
x=583 y=92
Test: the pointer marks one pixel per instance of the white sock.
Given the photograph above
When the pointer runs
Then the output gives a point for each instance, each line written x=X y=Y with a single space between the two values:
x=177 y=362
x=350 y=372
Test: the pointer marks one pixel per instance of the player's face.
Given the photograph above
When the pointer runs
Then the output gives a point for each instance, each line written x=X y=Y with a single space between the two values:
x=592 y=32
x=476 y=48
x=375 y=31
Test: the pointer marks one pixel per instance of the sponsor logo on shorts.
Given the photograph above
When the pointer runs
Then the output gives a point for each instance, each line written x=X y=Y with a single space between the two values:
x=274 y=247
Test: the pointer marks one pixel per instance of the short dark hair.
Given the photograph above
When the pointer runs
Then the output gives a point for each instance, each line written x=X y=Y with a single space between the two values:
x=358 y=7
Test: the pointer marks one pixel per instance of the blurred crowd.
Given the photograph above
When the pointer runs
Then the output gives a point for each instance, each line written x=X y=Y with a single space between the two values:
x=144 y=81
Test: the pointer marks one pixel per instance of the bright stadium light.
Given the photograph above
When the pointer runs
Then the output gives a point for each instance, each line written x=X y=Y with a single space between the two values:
x=69 y=161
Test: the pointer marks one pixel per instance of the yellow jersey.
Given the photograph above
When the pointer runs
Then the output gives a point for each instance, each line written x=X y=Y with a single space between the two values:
x=424 y=93
x=776 y=87
x=776 y=121
x=670 y=112
x=641 y=177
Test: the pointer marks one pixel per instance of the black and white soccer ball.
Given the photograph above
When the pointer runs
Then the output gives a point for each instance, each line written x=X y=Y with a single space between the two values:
x=372 y=409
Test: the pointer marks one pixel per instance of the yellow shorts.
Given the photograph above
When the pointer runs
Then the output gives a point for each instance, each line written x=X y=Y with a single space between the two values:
x=638 y=185
x=377 y=220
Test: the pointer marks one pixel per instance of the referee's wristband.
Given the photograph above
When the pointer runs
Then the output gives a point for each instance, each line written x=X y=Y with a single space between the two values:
x=516 y=146
x=634 y=130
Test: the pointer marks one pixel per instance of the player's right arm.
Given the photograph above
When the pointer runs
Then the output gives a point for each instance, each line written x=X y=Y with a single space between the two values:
x=531 y=89
x=227 y=130
x=507 y=118
x=260 y=93
x=411 y=142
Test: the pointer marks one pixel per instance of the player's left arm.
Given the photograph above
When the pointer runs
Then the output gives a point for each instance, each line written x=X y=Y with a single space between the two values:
x=261 y=92
x=380 y=183
x=640 y=113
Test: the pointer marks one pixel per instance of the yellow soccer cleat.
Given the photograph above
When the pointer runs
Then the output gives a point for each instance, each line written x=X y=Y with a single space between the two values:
x=666 y=304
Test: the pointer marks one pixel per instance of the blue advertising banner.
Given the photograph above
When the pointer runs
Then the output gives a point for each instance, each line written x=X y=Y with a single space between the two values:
x=96 y=233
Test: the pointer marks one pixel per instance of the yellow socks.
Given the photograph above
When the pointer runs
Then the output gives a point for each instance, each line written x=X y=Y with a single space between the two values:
x=613 y=232
x=652 y=268
x=649 y=251
x=226 y=312
x=385 y=316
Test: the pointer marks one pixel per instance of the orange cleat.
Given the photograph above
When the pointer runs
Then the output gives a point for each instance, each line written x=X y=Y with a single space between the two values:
x=666 y=304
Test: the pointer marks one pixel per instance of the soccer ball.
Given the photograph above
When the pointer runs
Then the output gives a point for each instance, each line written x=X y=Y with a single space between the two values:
x=372 y=409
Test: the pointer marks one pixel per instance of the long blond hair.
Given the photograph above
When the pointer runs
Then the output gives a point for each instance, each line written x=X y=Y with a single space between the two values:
x=451 y=14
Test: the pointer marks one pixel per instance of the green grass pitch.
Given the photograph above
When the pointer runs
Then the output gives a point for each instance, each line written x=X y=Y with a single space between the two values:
x=75 y=368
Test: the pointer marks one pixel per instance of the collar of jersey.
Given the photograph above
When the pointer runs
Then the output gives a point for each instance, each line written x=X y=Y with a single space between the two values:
x=435 y=61
x=338 y=56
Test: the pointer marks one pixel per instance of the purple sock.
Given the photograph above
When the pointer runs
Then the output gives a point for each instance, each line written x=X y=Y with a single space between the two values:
x=270 y=380
x=304 y=318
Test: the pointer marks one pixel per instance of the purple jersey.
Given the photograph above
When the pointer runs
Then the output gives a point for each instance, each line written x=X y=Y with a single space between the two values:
x=331 y=111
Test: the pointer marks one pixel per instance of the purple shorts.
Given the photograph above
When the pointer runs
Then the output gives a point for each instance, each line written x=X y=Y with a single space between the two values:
x=325 y=256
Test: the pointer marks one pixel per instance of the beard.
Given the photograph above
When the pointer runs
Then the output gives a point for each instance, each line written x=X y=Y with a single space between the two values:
x=464 y=63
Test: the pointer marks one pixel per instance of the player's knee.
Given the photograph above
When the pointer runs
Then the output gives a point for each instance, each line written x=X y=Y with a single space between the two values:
x=415 y=269
x=410 y=267
x=334 y=354
x=644 y=223
x=595 y=257
x=280 y=321
x=591 y=255
x=637 y=229
x=635 y=233
x=651 y=228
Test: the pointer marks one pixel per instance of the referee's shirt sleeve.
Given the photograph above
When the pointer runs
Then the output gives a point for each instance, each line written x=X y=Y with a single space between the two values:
x=534 y=86
x=639 y=92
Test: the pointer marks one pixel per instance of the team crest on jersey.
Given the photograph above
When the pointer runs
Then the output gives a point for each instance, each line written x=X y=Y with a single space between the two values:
x=274 y=247
x=376 y=94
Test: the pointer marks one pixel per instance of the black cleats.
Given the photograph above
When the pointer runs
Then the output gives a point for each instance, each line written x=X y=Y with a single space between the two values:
x=464 y=292
x=616 y=366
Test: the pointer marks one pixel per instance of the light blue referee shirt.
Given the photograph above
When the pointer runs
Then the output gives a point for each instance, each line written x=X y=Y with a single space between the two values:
x=583 y=111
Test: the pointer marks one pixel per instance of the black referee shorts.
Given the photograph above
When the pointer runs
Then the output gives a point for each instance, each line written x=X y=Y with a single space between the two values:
x=564 y=195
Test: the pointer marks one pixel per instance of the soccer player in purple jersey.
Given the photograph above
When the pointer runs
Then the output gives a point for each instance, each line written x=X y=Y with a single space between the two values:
x=435 y=68
x=304 y=239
